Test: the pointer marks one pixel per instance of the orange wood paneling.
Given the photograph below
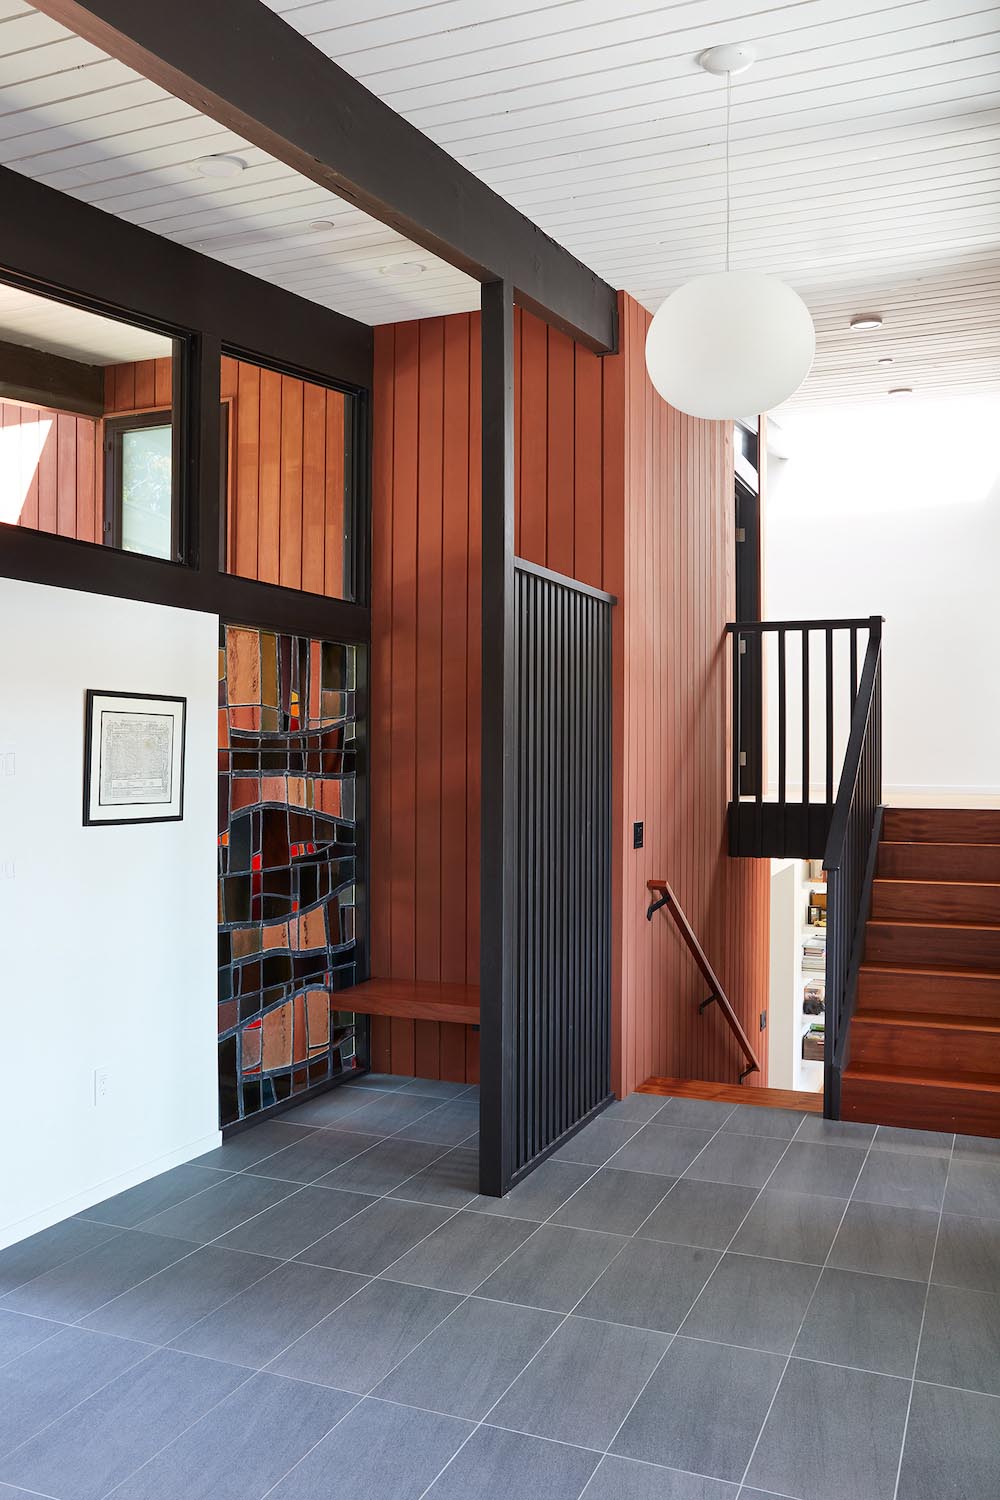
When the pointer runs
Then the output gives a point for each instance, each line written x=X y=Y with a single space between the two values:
x=619 y=490
x=426 y=631
x=286 y=468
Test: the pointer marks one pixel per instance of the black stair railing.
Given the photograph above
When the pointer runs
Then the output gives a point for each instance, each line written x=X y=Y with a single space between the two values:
x=795 y=690
x=850 y=859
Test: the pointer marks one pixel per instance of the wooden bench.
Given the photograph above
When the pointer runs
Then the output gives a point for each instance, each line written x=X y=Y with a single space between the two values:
x=415 y=1000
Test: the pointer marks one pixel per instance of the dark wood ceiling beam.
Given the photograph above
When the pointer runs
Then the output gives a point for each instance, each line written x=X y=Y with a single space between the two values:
x=37 y=378
x=242 y=65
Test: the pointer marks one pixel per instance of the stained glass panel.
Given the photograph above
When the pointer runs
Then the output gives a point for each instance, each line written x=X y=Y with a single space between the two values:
x=287 y=865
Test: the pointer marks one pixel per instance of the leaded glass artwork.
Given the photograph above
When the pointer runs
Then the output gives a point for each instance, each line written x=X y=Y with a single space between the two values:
x=287 y=866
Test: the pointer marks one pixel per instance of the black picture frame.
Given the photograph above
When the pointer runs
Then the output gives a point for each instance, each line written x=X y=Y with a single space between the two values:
x=133 y=812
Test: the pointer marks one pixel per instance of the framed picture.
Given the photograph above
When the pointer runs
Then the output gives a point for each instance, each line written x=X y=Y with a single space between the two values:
x=133 y=767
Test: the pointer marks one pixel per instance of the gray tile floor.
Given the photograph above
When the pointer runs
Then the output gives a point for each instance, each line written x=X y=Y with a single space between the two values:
x=690 y=1302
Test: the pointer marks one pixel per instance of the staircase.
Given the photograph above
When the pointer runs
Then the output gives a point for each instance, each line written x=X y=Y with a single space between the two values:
x=924 y=1042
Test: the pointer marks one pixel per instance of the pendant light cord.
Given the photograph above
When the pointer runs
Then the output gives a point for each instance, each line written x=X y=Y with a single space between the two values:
x=729 y=100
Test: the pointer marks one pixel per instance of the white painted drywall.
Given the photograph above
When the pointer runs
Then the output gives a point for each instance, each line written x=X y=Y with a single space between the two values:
x=895 y=510
x=784 y=1028
x=107 y=934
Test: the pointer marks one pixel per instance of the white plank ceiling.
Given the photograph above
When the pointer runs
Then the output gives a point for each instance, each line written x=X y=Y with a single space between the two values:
x=73 y=332
x=865 y=148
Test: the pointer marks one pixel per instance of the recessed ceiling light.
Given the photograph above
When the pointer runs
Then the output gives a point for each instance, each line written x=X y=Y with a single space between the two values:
x=220 y=166
x=886 y=359
x=864 y=321
x=321 y=226
x=403 y=270
x=901 y=390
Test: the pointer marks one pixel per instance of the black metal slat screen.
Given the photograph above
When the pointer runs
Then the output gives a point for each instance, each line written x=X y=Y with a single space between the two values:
x=561 y=1023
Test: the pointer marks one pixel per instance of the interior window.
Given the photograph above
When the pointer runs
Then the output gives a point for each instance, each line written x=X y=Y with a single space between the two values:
x=289 y=511
x=138 y=484
x=86 y=426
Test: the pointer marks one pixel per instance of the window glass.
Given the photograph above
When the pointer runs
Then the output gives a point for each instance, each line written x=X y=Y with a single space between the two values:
x=86 y=419
x=146 y=490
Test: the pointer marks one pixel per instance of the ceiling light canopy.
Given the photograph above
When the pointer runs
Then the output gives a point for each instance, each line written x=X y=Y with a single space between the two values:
x=736 y=343
x=403 y=270
x=864 y=321
x=728 y=60
x=220 y=166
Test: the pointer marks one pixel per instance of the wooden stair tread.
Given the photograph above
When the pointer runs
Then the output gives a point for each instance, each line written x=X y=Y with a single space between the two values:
x=414 y=999
x=933 y=971
x=933 y=844
x=932 y=880
x=926 y=825
x=732 y=1093
x=920 y=1019
x=934 y=922
x=923 y=1077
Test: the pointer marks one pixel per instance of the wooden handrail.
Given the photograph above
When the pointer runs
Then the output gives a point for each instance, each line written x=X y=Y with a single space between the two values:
x=661 y=889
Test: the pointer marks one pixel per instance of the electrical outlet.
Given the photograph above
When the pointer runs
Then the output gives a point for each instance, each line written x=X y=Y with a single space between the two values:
x=6 y=869
x=102 y=1085
x=7 y=763
x=637 y=835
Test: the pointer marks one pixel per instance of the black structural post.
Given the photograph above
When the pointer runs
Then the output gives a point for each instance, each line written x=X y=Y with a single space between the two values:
x=497 y=883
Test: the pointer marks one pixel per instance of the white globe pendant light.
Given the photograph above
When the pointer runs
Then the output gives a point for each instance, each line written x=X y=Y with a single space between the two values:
x=736 y=343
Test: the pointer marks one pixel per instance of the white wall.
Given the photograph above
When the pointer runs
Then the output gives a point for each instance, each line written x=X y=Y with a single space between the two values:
x=895 y=510
x=107 y=935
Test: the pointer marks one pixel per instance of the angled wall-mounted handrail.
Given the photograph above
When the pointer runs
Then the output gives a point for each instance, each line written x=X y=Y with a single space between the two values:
x=661 y=890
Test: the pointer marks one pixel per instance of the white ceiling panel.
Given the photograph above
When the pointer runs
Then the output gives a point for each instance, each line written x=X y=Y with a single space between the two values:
x=865 y=156
x=40 y=323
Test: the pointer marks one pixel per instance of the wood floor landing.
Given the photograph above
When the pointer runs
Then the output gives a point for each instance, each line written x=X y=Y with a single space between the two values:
x=733 y=1093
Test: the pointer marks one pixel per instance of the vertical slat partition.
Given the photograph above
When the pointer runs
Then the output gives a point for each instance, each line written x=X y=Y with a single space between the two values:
x=561 y=1021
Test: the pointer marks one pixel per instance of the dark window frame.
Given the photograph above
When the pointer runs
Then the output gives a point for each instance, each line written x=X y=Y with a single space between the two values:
x=71 y=252
x=115 y=429
x=357 y=472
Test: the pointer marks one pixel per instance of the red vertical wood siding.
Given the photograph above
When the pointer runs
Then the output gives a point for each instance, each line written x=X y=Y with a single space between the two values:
x=286 y=468
x=425 y=680
x=678 y=594
x=425 y=627
x=619 y=490
x=63 y=486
